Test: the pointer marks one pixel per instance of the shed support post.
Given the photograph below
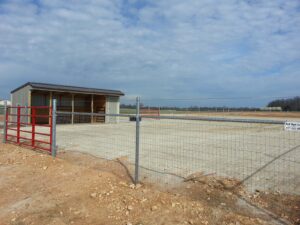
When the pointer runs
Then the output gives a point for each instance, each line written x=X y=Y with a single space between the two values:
x=50 y=99
x=72 y=119
x=29 y=108
x=137 y=140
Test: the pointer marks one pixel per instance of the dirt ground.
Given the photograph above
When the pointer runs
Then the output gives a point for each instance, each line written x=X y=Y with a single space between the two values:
x=181 y=148
x=77 y=188
x=247 y=115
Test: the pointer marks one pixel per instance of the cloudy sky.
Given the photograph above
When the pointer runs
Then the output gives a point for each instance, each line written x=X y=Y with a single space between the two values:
x=166 y=48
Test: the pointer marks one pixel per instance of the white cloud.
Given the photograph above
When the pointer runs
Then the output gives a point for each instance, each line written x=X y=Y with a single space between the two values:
x=164 y=48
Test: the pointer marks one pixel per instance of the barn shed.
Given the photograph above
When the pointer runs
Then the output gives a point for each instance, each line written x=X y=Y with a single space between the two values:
x=69 y=99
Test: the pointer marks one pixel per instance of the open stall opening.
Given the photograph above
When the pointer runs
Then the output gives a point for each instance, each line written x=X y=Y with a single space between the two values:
x=69 y=99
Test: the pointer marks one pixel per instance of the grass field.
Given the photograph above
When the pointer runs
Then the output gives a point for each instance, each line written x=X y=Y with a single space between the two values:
x=259 y=114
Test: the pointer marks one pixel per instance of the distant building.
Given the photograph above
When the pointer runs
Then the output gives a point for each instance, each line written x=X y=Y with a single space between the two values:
x=69 y=99
x=2 y=102
x=278 y=109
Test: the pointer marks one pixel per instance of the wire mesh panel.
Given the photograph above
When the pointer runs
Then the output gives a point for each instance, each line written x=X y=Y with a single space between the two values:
x=251 y=146
x=108 y=140
x=251 y=149
x=261 y=156
x=257 y=154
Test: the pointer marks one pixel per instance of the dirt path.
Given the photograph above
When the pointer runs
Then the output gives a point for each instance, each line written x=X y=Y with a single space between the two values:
x=80 y=189
x=247 y=115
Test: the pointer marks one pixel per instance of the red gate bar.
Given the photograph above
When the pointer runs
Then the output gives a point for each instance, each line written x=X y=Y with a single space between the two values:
x=28 y=107
x=42 y=116
x=6 y=124
x=27 y=131
x=18 y=125
x=29 y=124
x=33 y=117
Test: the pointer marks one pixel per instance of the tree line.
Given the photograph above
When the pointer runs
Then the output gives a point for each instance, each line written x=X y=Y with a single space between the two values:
x=289 y=104
x=193 y=108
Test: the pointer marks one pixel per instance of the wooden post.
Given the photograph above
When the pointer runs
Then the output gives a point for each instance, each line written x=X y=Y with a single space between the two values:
x=92 y=109
x=50 y=99
x=72 y=108
x=29 y=108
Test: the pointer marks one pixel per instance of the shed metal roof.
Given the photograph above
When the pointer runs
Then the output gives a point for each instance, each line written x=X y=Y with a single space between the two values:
x=67 y=88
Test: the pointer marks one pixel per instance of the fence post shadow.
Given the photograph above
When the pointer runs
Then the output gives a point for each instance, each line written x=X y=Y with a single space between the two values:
x=126 y=170
x=263 y=167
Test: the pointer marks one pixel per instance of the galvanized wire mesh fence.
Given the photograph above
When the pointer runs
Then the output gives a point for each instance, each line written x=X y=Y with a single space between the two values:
x=109 y=141
x=261 y=156
x=258 y=153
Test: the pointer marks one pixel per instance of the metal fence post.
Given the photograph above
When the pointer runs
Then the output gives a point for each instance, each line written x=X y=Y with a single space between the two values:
x=53 y=133
x=137 y=140
x=4 y=122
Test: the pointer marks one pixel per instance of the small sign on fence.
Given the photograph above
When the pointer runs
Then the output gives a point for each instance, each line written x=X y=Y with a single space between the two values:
x=292 y=126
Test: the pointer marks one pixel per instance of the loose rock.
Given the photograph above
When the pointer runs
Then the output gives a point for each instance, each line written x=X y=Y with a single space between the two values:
x=93 y=195
x=153 y=208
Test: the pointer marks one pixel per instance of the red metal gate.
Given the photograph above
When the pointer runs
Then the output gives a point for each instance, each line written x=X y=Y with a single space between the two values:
x=30 y=126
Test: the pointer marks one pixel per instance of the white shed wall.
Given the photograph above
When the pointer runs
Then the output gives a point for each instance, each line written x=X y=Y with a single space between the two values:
x=112 y=107
x=21 y=98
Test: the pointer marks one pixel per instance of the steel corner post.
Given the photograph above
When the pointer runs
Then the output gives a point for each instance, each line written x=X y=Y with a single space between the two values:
x=5 y=123
x=53 y=127
x=137 y=140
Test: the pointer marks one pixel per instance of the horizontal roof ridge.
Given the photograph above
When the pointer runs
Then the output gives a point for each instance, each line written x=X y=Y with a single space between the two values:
x=69 y=88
